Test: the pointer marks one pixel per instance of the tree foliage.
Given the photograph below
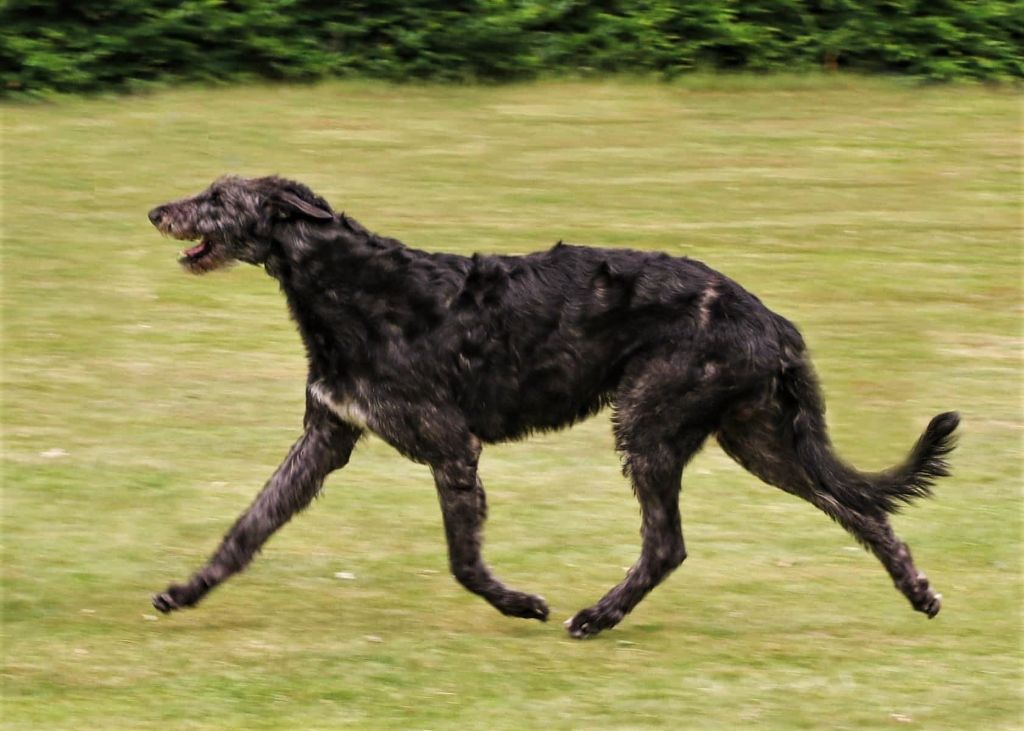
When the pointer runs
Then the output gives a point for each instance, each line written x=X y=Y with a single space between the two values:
x=89 y=45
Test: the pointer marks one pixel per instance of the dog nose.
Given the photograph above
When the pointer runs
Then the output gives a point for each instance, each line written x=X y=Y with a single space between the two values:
x=155 y=215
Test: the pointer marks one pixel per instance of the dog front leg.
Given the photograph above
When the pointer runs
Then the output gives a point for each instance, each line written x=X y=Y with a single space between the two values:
x=324 y=447
x=464 y=507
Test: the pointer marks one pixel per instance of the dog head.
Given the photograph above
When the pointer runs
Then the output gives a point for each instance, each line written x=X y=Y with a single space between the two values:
x=236 y=219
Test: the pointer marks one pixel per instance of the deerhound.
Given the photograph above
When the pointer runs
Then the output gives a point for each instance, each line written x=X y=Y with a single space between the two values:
x=438 y=354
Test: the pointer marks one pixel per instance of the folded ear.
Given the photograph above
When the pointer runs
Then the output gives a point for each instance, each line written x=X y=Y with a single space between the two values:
x=292 y=202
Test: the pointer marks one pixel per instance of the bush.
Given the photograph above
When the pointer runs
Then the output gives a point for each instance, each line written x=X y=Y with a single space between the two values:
x=90 y=45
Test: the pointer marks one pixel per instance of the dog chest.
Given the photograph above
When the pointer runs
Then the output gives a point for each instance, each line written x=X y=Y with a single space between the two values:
x=345 y=409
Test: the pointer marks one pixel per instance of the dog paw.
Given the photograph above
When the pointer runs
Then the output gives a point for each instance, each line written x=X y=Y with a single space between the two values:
x=932 y=605
x=923 y=598
x=526 y=606
x=537 y=608
x=589 y=622
x=175 y=597
x=582 y=625
x=164 y=603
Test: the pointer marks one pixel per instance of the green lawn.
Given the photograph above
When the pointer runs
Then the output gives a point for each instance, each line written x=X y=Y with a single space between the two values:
x=143 y=408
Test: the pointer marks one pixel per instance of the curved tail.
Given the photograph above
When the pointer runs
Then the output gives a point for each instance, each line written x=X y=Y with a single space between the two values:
x=867 y=493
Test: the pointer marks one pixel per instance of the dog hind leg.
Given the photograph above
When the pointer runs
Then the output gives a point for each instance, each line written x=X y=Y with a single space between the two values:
x=757 y=438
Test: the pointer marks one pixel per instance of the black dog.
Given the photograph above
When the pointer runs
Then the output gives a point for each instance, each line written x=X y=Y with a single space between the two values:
x=437 y=354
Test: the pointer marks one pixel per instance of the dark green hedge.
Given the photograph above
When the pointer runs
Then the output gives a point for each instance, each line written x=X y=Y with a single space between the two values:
x=88 y=45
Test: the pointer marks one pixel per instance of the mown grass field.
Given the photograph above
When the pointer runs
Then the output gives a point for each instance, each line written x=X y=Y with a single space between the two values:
x=142 y=409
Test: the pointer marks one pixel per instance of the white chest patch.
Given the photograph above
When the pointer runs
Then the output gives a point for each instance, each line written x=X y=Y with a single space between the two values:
x=347 y=410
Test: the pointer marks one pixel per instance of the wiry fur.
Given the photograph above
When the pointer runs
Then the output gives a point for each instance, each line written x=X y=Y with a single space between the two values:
x=438 y=354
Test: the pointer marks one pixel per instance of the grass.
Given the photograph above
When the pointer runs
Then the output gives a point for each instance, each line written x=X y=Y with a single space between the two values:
x=143 y=408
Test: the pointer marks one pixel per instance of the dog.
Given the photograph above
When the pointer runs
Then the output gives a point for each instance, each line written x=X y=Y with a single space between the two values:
x=439 y=354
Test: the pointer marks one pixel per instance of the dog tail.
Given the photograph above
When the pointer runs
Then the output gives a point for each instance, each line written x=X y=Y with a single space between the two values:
x=867 y=493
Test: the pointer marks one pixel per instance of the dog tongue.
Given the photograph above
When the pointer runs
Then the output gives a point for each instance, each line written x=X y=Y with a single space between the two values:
x=198 y=248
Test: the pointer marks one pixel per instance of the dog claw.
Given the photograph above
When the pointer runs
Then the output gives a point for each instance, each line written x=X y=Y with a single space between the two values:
x=526 y=606
x=580 y=628
x=538 y=609
x=582 y=632
x=592 y=621
x=164 y=603
x=541 y=607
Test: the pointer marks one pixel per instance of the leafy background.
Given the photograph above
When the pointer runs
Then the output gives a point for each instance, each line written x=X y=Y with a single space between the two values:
x=91 y=45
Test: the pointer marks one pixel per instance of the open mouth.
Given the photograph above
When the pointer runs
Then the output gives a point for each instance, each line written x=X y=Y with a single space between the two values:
x=202 y=257
x=197 y=252
x=205 y=250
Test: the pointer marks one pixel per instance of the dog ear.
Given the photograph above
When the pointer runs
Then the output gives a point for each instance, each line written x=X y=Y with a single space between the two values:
x=291 y=202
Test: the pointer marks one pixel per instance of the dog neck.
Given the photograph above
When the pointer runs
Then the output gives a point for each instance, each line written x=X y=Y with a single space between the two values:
x=351 y=291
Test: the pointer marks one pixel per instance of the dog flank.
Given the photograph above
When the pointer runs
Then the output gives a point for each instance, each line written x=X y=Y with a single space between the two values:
x=440 y=354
